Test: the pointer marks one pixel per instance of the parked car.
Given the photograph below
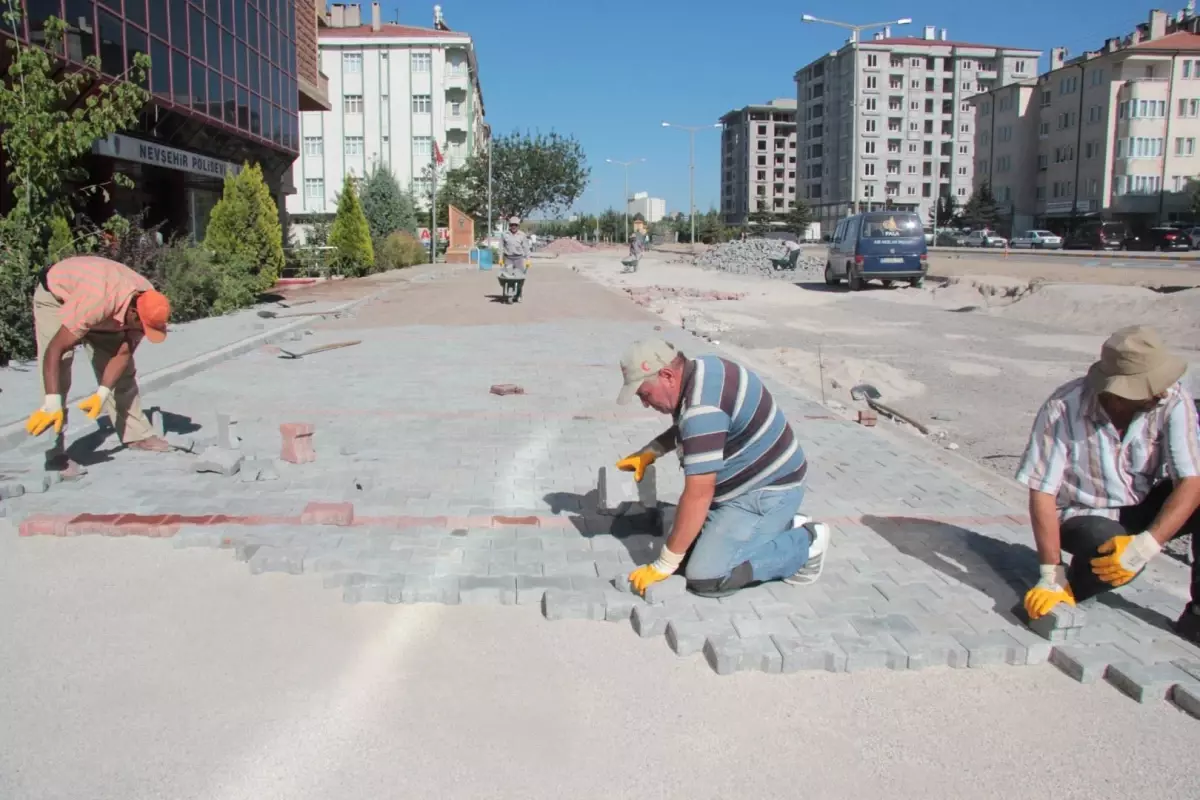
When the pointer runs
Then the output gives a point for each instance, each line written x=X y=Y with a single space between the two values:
x=929 y=236
x=1038 y=240
x=1193 y=234
x=1097 y=236
x=1162 y=239
x=951 y=237
x=888 y=245
x=985 y=238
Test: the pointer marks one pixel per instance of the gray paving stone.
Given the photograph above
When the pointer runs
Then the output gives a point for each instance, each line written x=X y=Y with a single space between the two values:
x=558 y=604
x=1187 y=697
x=989 y=649
x=619 y=606
x=222 y=462
x=1190 y=666
x=752 y=627
x=583 y=569
x=1087 y=664
x=197 y=537
x=888 y=624
x=1062 y=624
x=672 y=588
x=1146 y=682
x=823 y=627
x=932 y=650
x=651 y=621
x=476 y=590
x=687 y=636
x=872 y=652
x=10 y=490
x=273 y=559
x=421 y=589
x=810 y=653
x=728 y=653
x=1037 y=649
x=531 y=589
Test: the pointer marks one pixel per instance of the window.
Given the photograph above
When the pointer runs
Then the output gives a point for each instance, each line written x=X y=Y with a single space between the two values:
x=894 y=124
x=895 y=103
x=868 y=169
x=872 y=60
x=1191 y=68
x=1095 y=114
x=966 y=128
x=1046 y=97
x=872 y=82
x=314 y=192
x=314 y=146
x=422 y=62
x=914 y=126
x=354 y=145
x=912 y=169
x=352 y=63
x=869 y=104
x=1043 y=162
x=1019 y=67
x=962 y=149
x=912 y=147
x=1043 y=130
x=963 y=170
x=1183 y=147
x=870 y=126
x=962 y=191
x=422 y=104
x=423 y=147
x=1189 y=108
x=352 y=104
x=896 y=82
x=1097 y=77
x=869 y=148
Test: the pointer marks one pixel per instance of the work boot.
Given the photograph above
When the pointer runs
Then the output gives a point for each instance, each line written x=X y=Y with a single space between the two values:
x=1188 y=624
x=155 y=444
x=818 y=548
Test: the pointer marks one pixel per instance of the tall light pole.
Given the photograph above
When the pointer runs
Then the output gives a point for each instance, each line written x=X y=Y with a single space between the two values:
x=626 y=165
x=691 y=129
x=855 y=35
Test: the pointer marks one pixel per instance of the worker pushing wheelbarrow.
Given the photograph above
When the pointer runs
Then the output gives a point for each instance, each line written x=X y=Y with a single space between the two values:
x=515 y=250
x=637 y=246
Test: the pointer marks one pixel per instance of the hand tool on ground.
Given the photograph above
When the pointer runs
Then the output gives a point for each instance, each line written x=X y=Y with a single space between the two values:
x=273 y=315
x=321 y=349
x=865 y=391
x=285 y=304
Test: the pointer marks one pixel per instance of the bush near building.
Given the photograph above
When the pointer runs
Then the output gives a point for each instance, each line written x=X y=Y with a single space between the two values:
x=350 y=236
x=400 y=250
x=244 y=234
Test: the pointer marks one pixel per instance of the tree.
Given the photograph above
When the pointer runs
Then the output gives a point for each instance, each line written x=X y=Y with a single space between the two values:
x=546 y=173
x=798 y=218
x=244 y=230
x=386 y=206
x=1195 y=197
x=51 y=113
x=981 y=210
x=944 y=212
x=761 y=217
x=350 y=234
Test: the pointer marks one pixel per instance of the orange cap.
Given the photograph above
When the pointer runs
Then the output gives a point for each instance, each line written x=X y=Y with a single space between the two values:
x=154 y=309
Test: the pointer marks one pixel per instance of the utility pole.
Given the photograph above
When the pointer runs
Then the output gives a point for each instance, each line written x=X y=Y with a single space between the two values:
x=626 y=165
x=691 y=129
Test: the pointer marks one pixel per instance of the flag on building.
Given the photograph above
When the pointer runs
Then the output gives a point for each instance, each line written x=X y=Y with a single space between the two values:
x=437 y=154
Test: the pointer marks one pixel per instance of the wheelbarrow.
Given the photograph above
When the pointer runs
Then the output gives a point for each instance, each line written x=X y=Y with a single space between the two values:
x=511 y=282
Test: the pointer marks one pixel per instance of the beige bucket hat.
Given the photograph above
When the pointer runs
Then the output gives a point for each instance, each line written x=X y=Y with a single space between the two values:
x=1135 y=364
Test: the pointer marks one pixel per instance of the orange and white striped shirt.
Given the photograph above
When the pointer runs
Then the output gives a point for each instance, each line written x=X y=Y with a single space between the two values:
x=95 y=293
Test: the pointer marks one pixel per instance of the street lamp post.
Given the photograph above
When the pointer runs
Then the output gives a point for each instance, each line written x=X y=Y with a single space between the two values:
x=691 y=129
x=626 y=165
x=855 y=31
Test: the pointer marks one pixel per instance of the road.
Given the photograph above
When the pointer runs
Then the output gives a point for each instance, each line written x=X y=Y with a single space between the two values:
x=1081 y=258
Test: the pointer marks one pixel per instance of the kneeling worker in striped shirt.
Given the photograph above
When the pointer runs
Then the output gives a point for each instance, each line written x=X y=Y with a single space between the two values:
x=109 y=309
x=1113 y=470
x=737 y=521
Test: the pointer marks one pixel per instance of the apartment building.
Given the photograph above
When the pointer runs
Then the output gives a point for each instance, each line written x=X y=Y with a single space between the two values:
x=395 y=90
x=1116 y=132
x=758 y=160
x=652 y=209
x=1006 y=139
x=916 y=127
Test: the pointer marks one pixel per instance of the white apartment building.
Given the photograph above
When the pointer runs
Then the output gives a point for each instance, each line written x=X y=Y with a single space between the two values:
x=1110 y=134
x=652 y=209
x=916 y=131
x=395 y=90
x=758 y=160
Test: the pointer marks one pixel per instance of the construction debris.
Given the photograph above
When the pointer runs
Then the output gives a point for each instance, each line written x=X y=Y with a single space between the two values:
x=220 y=460
x=298 y=442
x=505 y=389
x=560 y=247
x=753 y=257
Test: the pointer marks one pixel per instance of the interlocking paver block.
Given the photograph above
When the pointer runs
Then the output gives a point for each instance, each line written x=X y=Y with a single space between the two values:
x=274 y=559
x=223 y=462
x=888 y=624
x=226 y=438
x=872 y=652
x=728 y=653
x=1062 y=624
x=1187 y=697
x=10 y=490
x=476 y=590
x=1087 y=664
x=932 y=650
x=996 y=647
x=619 y=606
x=435 y=589
x=687 y=636
x=1037 y=649
x=569 y=604
x=531 y=589
x=618 y=493
x=328 y=514
x=1145 y=682
x=672 y=588
x=1191 y=667
x=810 y=653
x=653 y=620
x=823 y=627
x=752 y=627
x=258 y=469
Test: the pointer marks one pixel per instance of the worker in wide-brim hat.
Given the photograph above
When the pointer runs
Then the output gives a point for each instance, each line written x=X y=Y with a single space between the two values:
x=516 y=248
x=109 y=309
x=1113 y=470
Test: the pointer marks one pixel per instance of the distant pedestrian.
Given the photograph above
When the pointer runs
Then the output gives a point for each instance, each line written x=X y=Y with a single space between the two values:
x=516 y=249
x=1113 y=470
x=109 y=309
x=637 y=246
x=737 y=522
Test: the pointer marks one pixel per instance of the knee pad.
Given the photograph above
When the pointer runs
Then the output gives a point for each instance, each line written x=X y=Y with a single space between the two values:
x=741 y=577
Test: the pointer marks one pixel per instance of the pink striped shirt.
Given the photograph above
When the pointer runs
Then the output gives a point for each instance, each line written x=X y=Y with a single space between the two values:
x=1077 y=454
x=95 y=292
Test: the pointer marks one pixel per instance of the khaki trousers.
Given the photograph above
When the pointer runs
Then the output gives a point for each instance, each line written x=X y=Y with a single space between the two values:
x=124 y=407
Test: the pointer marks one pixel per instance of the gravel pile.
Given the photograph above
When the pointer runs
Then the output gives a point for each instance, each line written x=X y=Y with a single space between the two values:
x=562 y=247
x=753 y=257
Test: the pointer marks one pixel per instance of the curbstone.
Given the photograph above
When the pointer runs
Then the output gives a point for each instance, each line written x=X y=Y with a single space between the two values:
x=222 y=462
x=619 y=606
x=1144 y=682
x=886 y=624
x=672 y=588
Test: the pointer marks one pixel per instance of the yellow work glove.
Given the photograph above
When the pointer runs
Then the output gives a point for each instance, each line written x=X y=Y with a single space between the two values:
x=637 y=463
x=50 y=414
x=1051 y=590
x=663 y=567
x=95 y=404
x=1123 y=557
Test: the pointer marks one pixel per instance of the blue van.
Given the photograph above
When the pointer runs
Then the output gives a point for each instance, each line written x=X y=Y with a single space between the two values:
x=888 y=245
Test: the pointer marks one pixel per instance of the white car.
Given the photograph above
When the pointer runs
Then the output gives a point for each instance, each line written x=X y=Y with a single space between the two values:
x=985 y=238
x=1038 y=240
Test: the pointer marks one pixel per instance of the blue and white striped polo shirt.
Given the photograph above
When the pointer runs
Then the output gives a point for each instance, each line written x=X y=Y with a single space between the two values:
x=729 y=424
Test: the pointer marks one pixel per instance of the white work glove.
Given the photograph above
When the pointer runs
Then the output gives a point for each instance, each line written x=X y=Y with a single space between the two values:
x=1123 y=557
x=1052 y=589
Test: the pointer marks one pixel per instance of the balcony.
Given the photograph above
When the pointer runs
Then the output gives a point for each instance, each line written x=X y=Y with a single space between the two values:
x=456 y=121
x=457 y=78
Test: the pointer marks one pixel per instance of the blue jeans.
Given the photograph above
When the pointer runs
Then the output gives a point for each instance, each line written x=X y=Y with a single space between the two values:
x=749 y=539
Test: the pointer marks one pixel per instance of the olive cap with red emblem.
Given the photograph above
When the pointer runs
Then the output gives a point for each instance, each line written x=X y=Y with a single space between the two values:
x=641 y=362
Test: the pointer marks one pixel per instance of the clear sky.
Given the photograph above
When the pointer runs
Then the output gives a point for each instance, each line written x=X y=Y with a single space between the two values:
x=611 y=73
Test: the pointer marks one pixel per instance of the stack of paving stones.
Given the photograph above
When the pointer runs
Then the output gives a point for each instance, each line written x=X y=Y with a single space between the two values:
x=753 y=257
x=428 y=488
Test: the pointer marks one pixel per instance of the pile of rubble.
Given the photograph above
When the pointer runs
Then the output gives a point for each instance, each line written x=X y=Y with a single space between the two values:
x=646 y=296
x=560 y=247
x=753 y=257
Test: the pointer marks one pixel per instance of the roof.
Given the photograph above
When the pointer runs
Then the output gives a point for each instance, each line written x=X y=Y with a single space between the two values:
x=386 y=31
x=913 y=41
x=1181 y=40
